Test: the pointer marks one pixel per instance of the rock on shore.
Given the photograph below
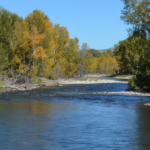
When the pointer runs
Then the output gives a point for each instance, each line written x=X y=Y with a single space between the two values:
x=15 y=85
x=24 y=83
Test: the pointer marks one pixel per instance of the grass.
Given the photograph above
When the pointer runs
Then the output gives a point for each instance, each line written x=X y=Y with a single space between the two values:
x=1 y=88
x=2 y=73
x=92 y=79
x=36 y=80
x=122 y=75
x=2 y=83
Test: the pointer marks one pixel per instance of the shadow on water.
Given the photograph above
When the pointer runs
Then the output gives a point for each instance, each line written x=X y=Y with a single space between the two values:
x=142 y=138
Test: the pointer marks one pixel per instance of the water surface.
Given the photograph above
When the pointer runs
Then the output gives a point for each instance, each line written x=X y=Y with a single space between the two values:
x=74 y=117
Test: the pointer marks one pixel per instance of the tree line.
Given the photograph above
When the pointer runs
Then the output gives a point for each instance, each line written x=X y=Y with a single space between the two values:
x=133 y=53
x=34 y=46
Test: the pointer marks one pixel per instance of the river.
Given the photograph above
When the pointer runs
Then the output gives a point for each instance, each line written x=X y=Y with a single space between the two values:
x=75 y=117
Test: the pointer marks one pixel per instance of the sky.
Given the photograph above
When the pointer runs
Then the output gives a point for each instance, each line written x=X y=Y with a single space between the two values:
x=95 y=22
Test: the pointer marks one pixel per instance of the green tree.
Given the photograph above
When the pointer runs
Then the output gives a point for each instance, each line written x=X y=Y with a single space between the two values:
x=7 y=25
x=95 y=53
x=137 y=13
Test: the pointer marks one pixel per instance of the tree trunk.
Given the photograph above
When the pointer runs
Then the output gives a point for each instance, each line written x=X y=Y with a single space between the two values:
x=30 y=59
x=12 y=71
x=58 y=71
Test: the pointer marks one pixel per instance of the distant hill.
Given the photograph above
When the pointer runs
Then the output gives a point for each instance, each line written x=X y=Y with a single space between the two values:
x=105 y=50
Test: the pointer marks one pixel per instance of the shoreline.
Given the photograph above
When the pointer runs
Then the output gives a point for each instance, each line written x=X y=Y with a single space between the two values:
x=94 y=79
x=10 y=85
x=122 y=76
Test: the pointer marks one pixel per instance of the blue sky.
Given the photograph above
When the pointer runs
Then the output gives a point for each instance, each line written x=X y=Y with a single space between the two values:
x=96 y=22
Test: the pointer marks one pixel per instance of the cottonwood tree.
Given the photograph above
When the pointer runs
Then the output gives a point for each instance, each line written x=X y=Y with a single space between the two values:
x=137 y=13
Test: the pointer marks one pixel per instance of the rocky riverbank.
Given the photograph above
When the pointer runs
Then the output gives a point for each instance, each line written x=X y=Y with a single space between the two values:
x=24 y=83
x=12 y=85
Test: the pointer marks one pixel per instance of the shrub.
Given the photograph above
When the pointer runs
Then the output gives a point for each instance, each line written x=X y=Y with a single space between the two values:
x=33 y=71
x=132 y=82
x=36 y=80
x=51 y=77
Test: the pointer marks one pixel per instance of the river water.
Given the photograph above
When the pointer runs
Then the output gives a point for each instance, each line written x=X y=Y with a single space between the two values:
x=75 y=117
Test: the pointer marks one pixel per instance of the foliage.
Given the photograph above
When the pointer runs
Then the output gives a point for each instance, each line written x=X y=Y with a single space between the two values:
x=35 y=47
x=133 y=53
x=107 y=63
x=110 y=52
x=7 y=25
x=91 y=62
x=137 y=13
x=132 y=82
x=33 y=71
x=36 y=80
x=95 y=53
x=129 y=51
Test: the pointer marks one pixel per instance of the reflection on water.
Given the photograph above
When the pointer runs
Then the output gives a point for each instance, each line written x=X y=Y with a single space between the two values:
x=25 y=123
x=68 y=121
x=30 y=107
x=143 y=127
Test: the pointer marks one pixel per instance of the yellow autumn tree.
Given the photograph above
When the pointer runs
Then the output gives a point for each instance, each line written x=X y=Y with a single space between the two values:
x=21 y=47
x=91 y=62
x=27 y=45
x=49 y=65
x=71 y=52
x=61 y=39
x=44 y=28
x=36 y=50
x=107 y=63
